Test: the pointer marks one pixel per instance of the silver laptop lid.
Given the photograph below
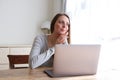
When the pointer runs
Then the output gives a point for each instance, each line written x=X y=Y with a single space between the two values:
x=76 y=59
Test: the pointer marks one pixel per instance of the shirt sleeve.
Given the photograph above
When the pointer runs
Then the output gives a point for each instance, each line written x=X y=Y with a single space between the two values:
x=39 y=53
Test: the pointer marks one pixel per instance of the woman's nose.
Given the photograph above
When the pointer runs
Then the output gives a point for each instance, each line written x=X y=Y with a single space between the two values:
x=64 y=25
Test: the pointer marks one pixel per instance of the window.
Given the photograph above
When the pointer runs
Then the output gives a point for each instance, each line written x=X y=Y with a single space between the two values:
x=97 y=21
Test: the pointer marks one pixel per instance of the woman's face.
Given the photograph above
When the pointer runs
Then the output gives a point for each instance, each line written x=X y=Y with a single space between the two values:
x=61 y=25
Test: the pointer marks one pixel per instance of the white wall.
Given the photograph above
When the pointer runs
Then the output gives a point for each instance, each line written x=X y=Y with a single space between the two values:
x=20 y=20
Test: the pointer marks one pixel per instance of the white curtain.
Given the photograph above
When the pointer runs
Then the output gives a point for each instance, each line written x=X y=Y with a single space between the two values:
x=59 y=6
x=93 y=20
x=97 y=21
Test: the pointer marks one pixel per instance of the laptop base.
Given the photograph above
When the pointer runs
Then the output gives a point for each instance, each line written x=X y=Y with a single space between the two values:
x=51 y=74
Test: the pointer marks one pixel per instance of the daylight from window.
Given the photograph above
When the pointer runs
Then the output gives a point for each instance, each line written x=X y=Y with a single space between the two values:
x=97 y=22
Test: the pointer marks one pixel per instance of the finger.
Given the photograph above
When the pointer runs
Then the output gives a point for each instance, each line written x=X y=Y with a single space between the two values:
x=60 y=40
x=66 y=33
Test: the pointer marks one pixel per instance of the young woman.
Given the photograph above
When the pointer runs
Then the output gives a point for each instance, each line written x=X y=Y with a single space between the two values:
x=43 y=47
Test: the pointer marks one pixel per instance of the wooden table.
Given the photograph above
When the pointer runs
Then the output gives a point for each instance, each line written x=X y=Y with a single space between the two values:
x=38 y=74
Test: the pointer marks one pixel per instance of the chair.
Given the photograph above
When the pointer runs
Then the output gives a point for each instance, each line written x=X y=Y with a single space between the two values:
x=17 y=59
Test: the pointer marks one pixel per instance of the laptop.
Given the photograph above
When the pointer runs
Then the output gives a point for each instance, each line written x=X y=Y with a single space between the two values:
x=74 y=60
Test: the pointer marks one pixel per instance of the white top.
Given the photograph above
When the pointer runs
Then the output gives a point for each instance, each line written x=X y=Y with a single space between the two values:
x=40 y=54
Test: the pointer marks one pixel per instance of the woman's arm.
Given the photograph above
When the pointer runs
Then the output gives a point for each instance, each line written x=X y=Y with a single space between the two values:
x=39 y=53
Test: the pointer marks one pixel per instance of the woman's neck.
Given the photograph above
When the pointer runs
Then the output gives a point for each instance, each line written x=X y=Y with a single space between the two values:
x=52 y=39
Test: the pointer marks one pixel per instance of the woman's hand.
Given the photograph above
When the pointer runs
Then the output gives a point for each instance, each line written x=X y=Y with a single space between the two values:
x=61 y=39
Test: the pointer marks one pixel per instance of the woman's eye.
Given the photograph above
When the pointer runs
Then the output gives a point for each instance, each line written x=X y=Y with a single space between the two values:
x=67 y=24
x=61 y=22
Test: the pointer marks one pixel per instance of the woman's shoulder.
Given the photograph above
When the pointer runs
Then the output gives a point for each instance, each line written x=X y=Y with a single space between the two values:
x=41 y=36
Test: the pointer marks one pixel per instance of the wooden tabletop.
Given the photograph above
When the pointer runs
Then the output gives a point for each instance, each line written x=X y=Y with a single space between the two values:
x=38 y=74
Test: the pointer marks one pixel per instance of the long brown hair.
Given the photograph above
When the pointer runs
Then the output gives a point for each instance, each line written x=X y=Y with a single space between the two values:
x=54 y=21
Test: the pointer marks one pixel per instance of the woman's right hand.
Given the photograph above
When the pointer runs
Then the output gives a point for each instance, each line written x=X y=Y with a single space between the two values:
x=62 y=38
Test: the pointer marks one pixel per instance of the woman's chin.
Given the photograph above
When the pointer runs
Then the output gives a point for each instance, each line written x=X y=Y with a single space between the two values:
x=61 y=33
